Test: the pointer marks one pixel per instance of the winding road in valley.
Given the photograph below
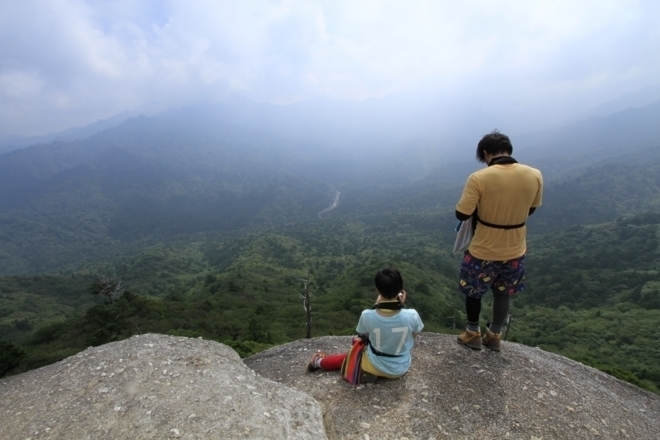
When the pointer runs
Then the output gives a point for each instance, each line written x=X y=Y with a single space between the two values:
x=334 y=204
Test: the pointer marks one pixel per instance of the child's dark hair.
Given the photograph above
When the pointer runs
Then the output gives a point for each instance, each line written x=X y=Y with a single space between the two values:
x=389 y=282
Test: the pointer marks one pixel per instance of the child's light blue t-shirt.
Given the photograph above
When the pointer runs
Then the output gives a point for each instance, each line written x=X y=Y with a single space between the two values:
x=391 y=335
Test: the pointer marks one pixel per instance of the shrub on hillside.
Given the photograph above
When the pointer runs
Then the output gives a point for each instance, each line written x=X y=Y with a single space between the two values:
x=10 y=357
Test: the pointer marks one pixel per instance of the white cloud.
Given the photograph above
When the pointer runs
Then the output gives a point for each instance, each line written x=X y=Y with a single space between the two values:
x=18 y=85
x=69 y=62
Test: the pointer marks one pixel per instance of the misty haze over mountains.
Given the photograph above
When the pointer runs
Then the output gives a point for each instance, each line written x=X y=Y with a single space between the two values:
x=639 y=98
x=384 y=123
x=241 y=164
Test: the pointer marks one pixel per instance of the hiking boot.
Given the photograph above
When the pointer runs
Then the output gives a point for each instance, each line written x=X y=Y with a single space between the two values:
x=470 y=339
x=311 y=366
x=491 y=340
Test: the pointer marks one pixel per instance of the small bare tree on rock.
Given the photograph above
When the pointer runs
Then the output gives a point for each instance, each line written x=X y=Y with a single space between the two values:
x=304 y=295
x=107 y=288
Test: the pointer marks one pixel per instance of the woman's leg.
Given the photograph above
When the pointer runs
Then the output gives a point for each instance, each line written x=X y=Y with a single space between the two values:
x=500 y=312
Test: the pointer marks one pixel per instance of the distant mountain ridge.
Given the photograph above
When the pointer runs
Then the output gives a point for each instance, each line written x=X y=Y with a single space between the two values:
x=634 y=127
x=635 y=99
x=70 y=134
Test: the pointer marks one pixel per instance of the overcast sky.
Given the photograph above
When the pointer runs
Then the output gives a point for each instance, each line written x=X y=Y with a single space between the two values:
x=68 y=63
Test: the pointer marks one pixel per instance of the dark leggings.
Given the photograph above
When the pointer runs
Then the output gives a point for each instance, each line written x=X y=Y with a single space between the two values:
x=500 y=311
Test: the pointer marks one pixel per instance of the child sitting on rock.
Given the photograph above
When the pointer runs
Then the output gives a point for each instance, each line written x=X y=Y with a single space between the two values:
x=385 y=334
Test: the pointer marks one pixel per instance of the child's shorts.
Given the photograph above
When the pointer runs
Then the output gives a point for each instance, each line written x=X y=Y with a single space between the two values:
x=503 y=277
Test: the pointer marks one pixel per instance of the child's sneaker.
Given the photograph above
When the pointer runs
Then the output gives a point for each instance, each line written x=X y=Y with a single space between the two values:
x=311 y=366
x=491 y=340
x=470 y=339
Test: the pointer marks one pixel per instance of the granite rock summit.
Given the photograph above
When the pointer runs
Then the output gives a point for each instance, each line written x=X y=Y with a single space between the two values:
x=156 y=386
x=454 y=392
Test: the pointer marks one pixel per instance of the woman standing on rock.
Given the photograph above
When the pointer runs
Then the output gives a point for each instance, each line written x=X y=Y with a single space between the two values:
x=499 y=198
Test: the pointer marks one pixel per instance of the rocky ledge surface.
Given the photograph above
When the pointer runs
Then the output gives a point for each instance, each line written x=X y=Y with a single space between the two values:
x=457 y=393
x=154 y=387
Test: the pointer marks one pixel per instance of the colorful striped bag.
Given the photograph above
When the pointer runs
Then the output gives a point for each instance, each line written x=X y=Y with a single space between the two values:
x=350 y=369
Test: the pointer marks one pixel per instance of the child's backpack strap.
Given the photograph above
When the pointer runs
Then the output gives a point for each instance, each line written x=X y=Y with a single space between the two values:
x=377 y=352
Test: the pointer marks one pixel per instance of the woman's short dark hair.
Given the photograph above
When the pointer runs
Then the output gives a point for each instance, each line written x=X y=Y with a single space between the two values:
x=494 y=143
x=389 y=282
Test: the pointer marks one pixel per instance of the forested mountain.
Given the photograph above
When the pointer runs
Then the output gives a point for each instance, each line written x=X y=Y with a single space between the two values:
x=148 y=180
x=598 y=265
x=63 y=201
x=594 y=295
x=211 y=226
x=617 y=186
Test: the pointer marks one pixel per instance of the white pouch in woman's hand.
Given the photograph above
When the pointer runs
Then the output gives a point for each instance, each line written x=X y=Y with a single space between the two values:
x=464 y=236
